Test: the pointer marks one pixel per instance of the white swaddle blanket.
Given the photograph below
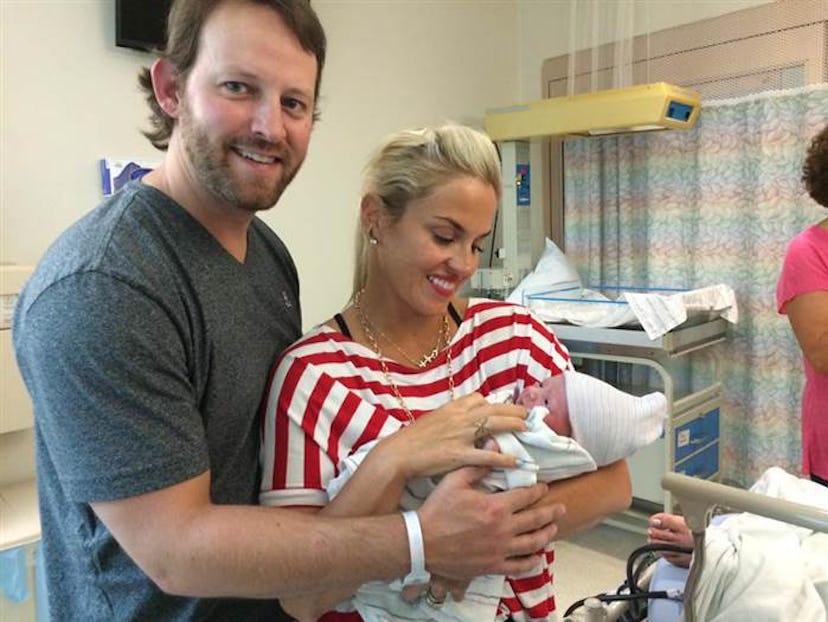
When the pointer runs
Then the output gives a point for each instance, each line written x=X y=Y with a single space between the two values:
x=764 y=570
x=557 y=457
x=611 y=423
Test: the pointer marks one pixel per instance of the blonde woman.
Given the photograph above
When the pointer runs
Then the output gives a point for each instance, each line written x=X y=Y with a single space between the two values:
x=409 y=363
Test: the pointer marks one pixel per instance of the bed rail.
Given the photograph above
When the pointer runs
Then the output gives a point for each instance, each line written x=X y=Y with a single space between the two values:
x=697 y=499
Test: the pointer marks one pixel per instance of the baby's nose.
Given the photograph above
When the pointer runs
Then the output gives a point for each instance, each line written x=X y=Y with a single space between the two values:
x=531 y=397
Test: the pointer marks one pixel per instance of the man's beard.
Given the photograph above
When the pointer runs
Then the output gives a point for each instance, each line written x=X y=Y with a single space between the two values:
x=213 y=171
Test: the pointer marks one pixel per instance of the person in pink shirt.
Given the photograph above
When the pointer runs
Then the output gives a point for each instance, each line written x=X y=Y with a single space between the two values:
x=802 y=295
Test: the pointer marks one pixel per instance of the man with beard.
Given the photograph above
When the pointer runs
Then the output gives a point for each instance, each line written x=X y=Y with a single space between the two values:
x=145 y=336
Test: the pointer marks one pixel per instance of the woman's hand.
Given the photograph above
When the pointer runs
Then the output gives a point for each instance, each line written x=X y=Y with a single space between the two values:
x=437 y=590
x=453 y=436
x=671 y=529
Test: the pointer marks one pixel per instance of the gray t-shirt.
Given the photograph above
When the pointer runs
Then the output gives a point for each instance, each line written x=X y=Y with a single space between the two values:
x=146 y=348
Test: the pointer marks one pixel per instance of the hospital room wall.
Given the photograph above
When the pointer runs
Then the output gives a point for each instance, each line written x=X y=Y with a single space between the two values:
x=69 y=98
x=544 y=28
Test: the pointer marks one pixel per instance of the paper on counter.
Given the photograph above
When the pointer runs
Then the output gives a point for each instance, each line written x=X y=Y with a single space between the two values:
x=562 y=298
x=659 y=313
x=656 y=312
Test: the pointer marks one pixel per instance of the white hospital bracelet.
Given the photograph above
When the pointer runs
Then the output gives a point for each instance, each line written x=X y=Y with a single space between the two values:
x=416 y=550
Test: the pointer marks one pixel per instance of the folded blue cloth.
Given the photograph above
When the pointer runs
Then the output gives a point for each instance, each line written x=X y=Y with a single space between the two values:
x=14 y=576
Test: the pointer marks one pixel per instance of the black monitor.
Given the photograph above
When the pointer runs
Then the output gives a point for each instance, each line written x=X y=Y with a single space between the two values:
x=141 y=24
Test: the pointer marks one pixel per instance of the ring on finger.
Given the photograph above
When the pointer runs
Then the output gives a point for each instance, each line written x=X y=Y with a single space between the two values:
x=433 y=601
x=481 y=431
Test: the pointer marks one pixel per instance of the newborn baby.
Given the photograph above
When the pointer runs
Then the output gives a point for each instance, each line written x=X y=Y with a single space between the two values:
x=608 y=423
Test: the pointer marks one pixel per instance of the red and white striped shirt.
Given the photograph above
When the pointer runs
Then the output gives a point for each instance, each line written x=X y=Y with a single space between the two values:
x=328 y=396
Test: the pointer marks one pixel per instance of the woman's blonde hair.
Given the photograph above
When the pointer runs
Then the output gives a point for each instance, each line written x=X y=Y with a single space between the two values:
x=411 y=164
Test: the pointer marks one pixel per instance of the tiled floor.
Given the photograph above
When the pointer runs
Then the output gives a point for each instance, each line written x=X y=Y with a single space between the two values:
x=592 y=562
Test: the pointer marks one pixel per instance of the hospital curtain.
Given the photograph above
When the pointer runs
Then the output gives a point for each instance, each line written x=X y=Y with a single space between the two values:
x=715 y=204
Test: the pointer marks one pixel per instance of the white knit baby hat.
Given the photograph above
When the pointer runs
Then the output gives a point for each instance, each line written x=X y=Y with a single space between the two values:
x=609 y=423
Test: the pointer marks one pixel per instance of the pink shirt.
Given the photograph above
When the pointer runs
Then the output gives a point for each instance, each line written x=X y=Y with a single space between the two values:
x=805 y=270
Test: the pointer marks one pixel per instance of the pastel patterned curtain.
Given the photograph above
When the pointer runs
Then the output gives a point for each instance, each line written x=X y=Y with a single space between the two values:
x=715 y=204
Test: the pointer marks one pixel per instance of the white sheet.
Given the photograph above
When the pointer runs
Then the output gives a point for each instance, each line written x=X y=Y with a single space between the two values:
x=656 y=312
x=763 y=570
x=556 y=457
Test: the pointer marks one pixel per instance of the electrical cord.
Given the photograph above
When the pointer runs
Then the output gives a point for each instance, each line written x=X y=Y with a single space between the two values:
x=633 y=574
x=493 y=236
x=608 y=598
x=632 y=577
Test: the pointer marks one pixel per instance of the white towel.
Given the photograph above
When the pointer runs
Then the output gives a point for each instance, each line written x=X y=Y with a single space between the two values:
x=382 y=602
x=554 y=457
x=613 y=423
x=377 y=601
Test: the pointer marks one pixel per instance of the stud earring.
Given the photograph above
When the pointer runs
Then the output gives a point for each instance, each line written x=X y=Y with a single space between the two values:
x=373 y=241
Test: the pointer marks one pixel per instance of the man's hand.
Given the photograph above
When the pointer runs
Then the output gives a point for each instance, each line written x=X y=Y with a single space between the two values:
x=469 y=532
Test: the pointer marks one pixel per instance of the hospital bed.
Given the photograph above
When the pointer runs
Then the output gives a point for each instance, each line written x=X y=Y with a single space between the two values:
x=697 y=499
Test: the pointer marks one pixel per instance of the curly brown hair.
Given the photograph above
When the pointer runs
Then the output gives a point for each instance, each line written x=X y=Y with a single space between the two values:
x=184 y=24
x=815 y=169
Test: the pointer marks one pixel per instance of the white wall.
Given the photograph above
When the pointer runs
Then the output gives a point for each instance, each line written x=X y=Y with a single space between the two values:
x=392 y=64
x=69 y=98
x=544 y=28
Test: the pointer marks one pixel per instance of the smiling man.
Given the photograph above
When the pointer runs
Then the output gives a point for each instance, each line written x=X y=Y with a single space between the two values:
x=145 y=337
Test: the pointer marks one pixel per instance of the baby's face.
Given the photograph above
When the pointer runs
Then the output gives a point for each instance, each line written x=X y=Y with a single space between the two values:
x=531 y=397
x=551 y=393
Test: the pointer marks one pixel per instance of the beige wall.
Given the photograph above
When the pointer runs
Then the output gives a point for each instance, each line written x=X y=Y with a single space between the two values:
x=393 y=64
x=69 y=98
x=544 y=28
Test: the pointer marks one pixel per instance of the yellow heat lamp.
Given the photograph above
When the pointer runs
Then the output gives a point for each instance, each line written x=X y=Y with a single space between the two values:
x=642 y=108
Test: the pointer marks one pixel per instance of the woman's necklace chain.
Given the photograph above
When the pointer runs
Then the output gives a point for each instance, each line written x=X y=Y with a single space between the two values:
x=368 y=329
x=427 y=359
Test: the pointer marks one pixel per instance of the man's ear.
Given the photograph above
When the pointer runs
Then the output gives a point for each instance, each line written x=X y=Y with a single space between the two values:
x=166 y=83
x=370 y=212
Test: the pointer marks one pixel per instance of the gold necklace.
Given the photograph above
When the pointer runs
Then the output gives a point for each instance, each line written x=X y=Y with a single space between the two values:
x=427 y=359
x=366 y=328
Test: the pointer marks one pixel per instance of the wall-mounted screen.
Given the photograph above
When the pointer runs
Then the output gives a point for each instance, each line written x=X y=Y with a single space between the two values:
x=141 y=24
